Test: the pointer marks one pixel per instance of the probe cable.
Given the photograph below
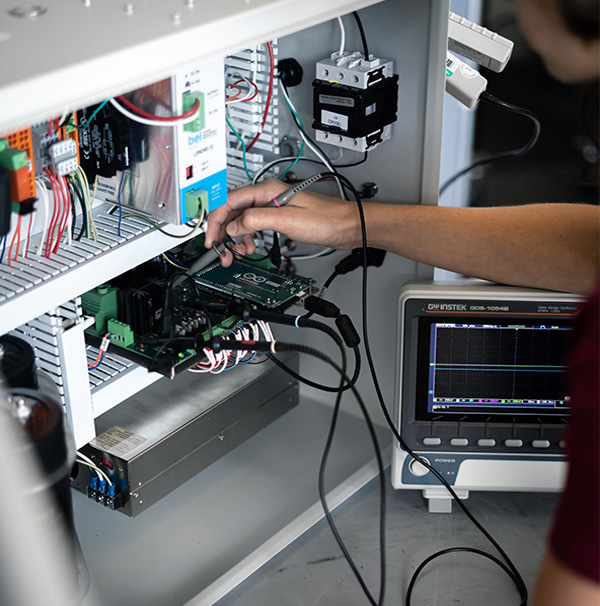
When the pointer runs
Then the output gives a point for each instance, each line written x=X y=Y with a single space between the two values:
x=301 y=322
x=513 y=153
x=510 y=568
x=277 y=346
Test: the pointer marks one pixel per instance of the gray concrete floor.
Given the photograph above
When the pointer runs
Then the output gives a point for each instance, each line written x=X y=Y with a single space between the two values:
x=313 y=572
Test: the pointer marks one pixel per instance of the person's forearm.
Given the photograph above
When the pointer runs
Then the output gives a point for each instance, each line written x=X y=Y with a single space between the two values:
x=552 y=246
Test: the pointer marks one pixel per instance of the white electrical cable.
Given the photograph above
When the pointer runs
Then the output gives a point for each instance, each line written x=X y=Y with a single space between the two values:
x=316 y=255
x=63 y=185
x=150 y=122
x=342 y=36
x=43 y=194
x=87 y=461
x=250 y=94
x=309 y=144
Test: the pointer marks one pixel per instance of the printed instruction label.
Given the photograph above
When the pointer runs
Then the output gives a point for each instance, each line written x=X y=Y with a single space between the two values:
x=117 y=441
x=332 y=119
x=332 y=100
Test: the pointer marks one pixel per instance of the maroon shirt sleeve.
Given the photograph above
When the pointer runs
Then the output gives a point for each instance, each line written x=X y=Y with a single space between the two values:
x=575 y=536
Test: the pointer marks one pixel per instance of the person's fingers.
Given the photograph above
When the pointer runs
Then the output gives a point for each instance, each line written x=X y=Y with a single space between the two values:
x=237 y=201
x=256 y=195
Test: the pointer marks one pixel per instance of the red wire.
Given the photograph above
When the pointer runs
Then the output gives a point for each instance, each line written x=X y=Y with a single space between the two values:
x=28 y=234
x=144 y=114
x=66 y=209
x=236 y=94
x=255 y=89
x=19 y=236
x=269 y=95
x=52 y=226
x=16 y=237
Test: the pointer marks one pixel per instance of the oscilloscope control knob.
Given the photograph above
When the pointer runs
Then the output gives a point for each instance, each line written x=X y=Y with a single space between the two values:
x=417 y=468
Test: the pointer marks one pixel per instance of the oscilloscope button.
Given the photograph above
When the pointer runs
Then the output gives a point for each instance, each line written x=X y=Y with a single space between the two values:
x=459 y=442
x=513 y=443
x=486 y=442
x=432 y=441
x=540 y=444
x=417 y=468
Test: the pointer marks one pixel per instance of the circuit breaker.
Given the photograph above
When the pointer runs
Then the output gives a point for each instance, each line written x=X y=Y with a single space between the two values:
x=355 y=100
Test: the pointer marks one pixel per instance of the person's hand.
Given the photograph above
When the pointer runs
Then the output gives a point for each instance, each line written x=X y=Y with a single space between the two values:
x=308 y=217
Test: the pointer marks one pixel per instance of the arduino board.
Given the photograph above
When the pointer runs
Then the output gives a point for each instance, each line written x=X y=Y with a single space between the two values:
x=248 y=282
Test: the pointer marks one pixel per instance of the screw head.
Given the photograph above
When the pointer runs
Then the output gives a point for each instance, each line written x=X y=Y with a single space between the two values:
x=28 y=11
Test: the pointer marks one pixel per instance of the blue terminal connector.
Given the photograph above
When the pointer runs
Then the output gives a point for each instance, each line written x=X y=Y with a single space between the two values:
x=102 y=486
x=94 y=483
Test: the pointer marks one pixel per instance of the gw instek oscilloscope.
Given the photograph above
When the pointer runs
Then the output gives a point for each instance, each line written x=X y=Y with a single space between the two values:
x=481 y=391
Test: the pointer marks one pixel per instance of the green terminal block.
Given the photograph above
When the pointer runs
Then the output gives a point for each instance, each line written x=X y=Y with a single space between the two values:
x=189 y=99
x=122 y=333
x=101 y=303
x=195 y=201
x=13 y=159
x=4 y=145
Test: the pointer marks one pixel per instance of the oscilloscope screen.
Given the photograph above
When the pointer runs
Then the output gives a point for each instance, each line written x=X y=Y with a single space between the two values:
x=500 y=369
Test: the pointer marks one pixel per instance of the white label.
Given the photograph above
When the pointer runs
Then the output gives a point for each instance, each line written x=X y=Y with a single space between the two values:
x=117 y=441
x=332 y=119
x=332 y=100
x=106 y=189
x=371 y=109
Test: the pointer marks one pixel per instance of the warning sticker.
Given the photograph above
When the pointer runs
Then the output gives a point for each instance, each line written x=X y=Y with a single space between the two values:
x=117 y=441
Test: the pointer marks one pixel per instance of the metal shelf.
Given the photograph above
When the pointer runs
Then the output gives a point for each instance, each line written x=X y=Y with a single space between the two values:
x=116 y=380
x=72 y=54
x=33 y=285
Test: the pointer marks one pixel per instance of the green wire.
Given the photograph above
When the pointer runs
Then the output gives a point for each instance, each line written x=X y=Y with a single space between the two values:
x=302 y=146
x=243 y=146
x=90 y=118
x=294 y=162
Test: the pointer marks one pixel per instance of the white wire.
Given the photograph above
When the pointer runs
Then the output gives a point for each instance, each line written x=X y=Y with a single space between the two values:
x=90 y=463
x=342 y=36
x=96 y=469
x=43 y=190
x=316 y=255
x=63 y=185
x=309 y=144
x=224 y=355
x=252 y=90
x=150 y=122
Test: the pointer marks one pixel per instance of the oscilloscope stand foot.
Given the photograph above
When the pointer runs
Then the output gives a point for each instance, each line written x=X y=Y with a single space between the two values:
x=439 y=500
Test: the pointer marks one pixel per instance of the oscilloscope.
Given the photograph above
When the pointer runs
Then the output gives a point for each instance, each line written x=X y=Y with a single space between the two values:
x=481 y=391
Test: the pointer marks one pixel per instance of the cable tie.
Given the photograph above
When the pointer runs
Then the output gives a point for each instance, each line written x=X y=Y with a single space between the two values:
x=273 y=347
x=296 y=322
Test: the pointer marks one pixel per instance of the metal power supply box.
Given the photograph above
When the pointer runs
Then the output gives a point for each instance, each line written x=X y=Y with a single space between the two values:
x=156 y=440
x=174 y=173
